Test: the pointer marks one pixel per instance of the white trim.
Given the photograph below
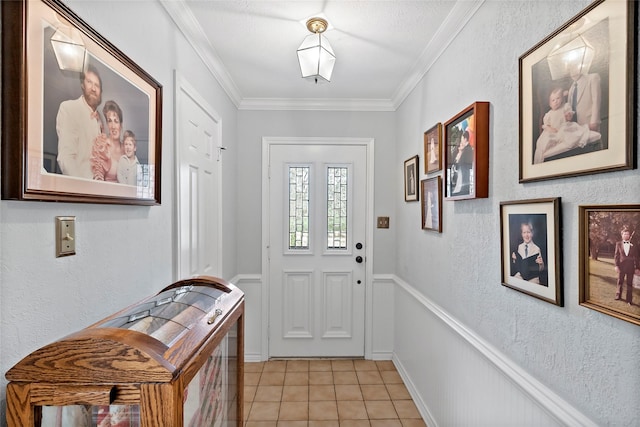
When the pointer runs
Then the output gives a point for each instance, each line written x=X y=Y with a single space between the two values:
x=187 y=23
x=182 y=85
x=427 y=417
x=183 y=17
x=267 y=142
x=541 y=394
x=458 y=17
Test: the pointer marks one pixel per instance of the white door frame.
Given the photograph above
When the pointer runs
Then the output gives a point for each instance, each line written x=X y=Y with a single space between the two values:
x=267 y=142
x=182 y=86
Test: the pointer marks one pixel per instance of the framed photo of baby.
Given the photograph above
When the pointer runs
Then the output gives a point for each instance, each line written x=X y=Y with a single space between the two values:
x=466 y=153
x=81 y=121
x=577 y=109
x=609 y=252
x=530 y=248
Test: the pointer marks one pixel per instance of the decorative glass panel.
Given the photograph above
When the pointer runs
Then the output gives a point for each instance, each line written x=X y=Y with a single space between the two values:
x=298 y=207
x=337 y=207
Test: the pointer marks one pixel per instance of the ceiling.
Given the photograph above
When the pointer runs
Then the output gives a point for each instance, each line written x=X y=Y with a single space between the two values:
x=382 y=47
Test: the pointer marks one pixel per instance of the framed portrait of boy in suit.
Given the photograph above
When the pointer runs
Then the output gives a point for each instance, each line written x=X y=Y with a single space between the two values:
x=609 y=255
x=530 y=248
x=577 y=109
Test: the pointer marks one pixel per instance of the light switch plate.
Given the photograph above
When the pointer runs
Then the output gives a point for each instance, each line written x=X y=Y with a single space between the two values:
x=65 y=236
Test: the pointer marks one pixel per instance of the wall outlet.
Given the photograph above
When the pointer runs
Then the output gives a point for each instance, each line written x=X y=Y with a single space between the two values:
x=383 y=222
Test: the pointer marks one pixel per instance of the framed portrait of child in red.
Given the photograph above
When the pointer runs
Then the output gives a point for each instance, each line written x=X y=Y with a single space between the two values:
x=466 y=153
x=81 y=120
x=576 y=100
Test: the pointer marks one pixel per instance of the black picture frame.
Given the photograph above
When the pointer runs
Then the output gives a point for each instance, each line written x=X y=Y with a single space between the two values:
x=531 y=253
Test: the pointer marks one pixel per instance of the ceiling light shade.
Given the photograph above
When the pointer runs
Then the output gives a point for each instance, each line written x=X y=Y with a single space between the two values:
x=69 y=49
x=573 y=57
x=315 y=54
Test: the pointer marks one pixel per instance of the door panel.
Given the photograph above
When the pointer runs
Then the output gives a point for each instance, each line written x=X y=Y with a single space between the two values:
x=198 y=138
x=317 y=211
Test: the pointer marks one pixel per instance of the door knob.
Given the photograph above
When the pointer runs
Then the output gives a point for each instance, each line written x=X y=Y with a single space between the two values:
x=359 y=259
x=358 y=245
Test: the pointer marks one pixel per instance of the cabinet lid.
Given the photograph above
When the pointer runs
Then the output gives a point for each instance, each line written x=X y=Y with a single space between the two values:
x=149 y=341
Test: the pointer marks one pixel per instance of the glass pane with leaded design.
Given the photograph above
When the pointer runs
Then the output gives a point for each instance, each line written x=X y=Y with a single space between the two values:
x=337 y=187
x=298 y=207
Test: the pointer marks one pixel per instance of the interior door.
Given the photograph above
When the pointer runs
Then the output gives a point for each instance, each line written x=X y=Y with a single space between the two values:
x=199 y=217
x=317 y=209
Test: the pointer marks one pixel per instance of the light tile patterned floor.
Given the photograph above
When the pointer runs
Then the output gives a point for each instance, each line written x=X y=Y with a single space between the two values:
x=327 y=393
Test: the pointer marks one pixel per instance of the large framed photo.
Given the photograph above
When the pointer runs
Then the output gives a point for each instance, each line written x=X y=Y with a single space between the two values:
x=609 y=253
x=431 y=189
x=577 y=106
x=530 y=248
x=411 y=190
x=432 y=149
x=81 y=122
x=466 y=153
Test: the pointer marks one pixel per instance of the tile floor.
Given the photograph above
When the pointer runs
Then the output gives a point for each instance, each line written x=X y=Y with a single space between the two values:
x=327 y=393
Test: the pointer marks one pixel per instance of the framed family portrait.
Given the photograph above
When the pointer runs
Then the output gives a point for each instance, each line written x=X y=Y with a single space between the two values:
x=411 y=190
x=432 y=149
x=609 y=252
x=577 y=106
x=431 y=190
x=81 y=121
x=530 y=248
x=466 y=153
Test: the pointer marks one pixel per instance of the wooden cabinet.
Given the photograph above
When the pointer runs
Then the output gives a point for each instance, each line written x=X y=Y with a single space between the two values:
x=174 y=359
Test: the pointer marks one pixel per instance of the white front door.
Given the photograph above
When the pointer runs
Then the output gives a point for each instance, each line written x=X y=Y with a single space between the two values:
x=198 y=133
x=317 y=229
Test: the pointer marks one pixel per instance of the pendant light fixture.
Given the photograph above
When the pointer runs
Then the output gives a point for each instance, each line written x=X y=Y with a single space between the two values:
x=315 y=54
x=69 y=49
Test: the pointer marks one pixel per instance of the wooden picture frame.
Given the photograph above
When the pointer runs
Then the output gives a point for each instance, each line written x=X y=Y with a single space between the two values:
x=466 y=153
x=531 y=255
x=411 y=176
x=593 y=57
x=55 y=147
x=433 y=149
x=601 y=250
x=431 y=189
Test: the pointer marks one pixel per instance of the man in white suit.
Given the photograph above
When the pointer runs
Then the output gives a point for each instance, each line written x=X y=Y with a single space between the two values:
x=78 y=124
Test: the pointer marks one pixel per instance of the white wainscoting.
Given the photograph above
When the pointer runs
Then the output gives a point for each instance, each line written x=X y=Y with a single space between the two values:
x=378 y=318
x=255 y=338
x=455 y=377
x=458 y=379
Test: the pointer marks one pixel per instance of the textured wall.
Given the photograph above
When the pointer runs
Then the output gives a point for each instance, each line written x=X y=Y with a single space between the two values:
x=253 y=125
x=586 y=357
x=124 y=253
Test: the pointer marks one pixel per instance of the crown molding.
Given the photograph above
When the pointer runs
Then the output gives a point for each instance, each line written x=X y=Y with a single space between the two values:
x=461 y=13
x=186 y=22
x=317 y=104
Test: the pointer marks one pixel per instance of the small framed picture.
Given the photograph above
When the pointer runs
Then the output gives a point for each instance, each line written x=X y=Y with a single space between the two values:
x=609 y=254
x=432 y=149
x=466 y=153
x=431 y=189
x=577 y=109
x=411 y=193
x=530 y=248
